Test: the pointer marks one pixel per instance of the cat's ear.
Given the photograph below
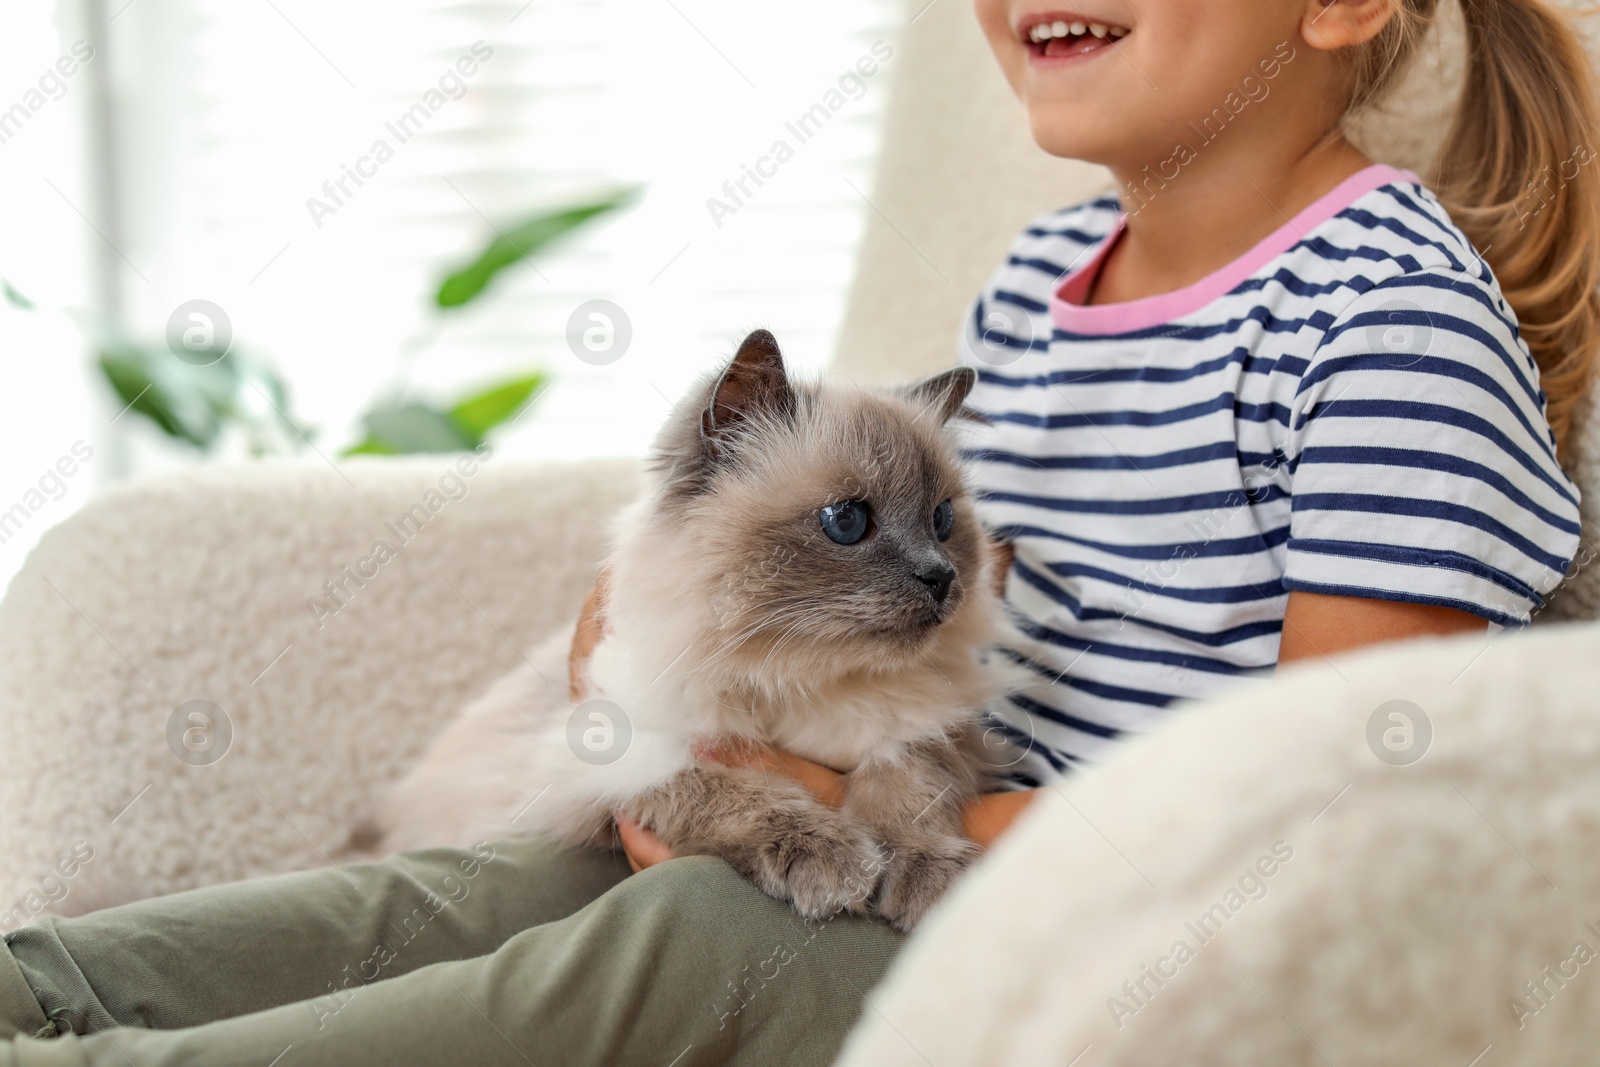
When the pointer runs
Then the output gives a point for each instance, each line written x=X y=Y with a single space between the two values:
x=755 y=386
x=943 y=394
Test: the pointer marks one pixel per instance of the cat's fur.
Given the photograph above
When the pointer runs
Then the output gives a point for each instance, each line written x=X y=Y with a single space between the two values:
x=730 y=613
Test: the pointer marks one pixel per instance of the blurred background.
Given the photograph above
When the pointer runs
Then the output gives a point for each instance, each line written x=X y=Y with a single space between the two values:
x=281 y=227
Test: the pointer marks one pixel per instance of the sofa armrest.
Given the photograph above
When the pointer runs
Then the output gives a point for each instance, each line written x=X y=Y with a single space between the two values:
x=1291 y=856
x=336 y=617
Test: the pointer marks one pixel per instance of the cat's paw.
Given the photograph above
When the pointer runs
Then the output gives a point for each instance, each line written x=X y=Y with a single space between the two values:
x=822 y=867
x=917 y=873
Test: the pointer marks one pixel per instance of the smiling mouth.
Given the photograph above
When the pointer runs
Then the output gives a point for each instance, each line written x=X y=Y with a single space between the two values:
x=1063 y=35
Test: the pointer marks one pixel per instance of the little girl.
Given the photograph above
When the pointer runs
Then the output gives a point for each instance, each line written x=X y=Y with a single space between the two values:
x=1272 y=401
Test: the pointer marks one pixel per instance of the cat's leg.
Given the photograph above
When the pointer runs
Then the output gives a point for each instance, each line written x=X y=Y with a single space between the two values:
x=770 y=830
x=913 y=803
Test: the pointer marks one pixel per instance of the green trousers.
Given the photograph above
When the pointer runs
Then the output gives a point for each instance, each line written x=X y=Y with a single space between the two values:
x=511 y=953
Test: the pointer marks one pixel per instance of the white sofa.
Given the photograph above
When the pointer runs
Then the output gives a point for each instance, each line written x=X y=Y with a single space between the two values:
x=1332 y=908
x=196 y=588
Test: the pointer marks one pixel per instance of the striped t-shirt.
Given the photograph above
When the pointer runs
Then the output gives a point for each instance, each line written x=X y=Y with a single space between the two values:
x=1346 y=409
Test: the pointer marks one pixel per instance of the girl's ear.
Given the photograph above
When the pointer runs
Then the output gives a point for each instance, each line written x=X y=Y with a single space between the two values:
x=943 y=393
x=1331 y=24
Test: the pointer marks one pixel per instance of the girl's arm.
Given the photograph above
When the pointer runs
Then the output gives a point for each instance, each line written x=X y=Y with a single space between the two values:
x=1316 y=624
x=985 y=818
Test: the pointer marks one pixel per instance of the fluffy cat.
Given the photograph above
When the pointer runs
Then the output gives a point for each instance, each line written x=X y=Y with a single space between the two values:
x=806 y=569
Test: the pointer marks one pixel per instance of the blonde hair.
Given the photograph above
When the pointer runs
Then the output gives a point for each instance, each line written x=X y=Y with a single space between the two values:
x=1516 y=173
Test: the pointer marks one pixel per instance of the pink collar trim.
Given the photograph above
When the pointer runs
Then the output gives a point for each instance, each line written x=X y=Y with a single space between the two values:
x=1069 y=313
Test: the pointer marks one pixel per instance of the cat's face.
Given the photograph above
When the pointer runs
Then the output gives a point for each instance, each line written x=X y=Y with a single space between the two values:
x=830 y=520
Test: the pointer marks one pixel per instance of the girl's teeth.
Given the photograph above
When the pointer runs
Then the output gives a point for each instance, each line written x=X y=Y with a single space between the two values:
x=1046 y=31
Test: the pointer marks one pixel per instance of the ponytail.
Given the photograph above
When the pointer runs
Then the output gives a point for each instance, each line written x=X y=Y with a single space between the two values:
x=1520 y=174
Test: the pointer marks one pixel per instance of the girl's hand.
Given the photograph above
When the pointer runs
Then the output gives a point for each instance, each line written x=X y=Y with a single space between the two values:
x=644 y=849
x=983 y=820
x=824 y=783
x=591 y=625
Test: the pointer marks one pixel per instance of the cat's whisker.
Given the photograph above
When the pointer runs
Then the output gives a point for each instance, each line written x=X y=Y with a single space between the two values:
x=743 y=636
x=792 y=630
x=788 y=608
x=790 y=617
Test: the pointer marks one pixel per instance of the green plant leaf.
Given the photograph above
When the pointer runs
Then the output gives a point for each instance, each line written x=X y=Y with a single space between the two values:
x=413 y=427
x=131 y=379
x=14 y=298
x=476 y=415
x=516 y=243
x=369 y=447
x=196 y=404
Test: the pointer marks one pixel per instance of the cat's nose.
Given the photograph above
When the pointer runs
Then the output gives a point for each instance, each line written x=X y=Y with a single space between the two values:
x=937 y=577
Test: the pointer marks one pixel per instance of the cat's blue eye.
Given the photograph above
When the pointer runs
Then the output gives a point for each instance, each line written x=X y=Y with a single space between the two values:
x=944 y=520
x=847 y=521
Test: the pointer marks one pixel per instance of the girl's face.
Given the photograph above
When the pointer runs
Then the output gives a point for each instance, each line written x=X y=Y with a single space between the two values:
x=1128 y=81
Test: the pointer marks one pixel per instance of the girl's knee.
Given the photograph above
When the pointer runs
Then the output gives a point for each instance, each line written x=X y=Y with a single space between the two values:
x=702 y=894
x=686 y=884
